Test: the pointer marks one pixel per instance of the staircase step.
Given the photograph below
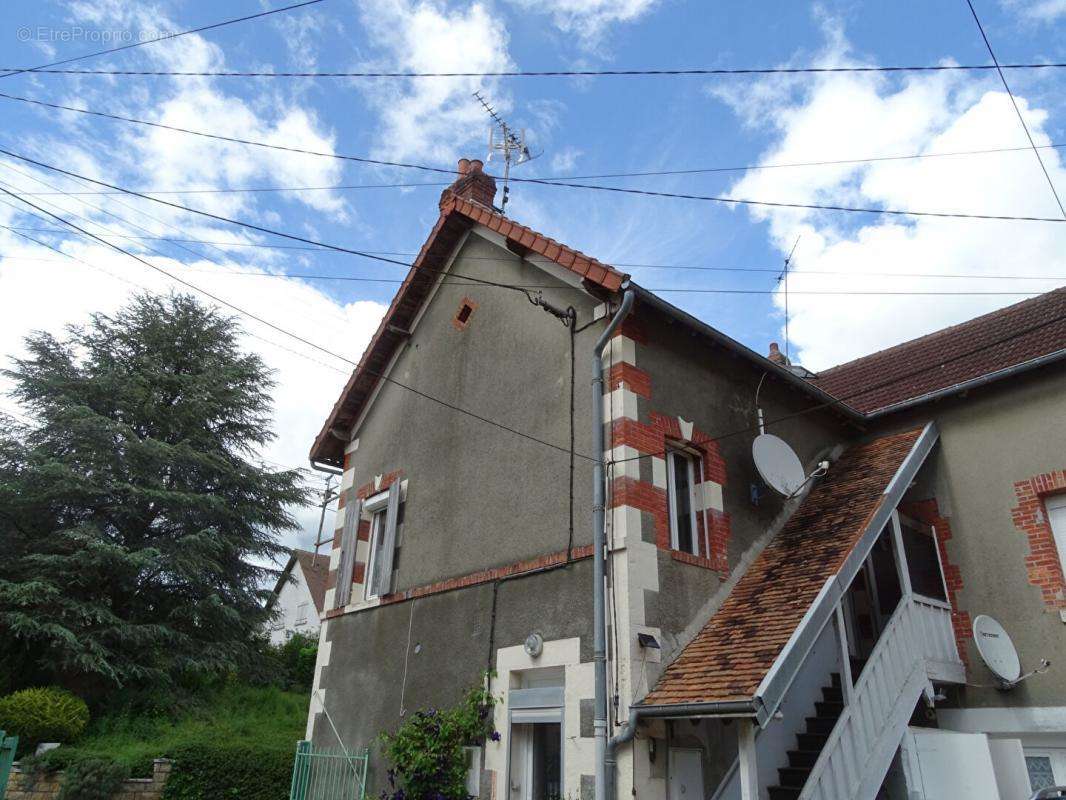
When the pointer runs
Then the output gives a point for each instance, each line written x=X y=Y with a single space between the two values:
x=820 y=724
x=830 y=709
x=812 y=741
x=833 y=694
x=793 y=776
x=783 y=792
x=803 y=758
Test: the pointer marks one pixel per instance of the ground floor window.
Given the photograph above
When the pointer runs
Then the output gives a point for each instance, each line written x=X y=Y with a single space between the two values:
x=1046 y=767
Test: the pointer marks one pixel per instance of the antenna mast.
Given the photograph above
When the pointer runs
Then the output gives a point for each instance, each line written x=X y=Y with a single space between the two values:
x=511 y=145
x=783 y=278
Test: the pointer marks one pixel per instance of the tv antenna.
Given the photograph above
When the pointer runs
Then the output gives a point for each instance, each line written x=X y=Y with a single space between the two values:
x=783 y=279
x=503 y=139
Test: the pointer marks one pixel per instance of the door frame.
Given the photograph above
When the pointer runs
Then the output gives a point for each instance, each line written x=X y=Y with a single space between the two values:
x=669 y=763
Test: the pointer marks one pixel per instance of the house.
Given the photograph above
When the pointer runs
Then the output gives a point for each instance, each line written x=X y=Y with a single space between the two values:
x=725 y=640
x=299 y=596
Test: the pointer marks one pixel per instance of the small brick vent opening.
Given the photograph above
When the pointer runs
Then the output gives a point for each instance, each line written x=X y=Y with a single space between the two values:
x=462 y=316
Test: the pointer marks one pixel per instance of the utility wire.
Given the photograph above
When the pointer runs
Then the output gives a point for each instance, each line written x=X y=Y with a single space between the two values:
x=552 y=73
x=540 y=181
x=47 y=67
x=1017 y=110
x=641 y=174
x=295 y=336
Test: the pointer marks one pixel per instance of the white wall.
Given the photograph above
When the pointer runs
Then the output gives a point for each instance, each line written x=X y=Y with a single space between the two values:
x=293 y=593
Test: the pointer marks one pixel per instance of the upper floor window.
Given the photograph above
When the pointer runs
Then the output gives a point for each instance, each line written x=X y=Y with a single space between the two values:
x=682 y=471
x=1056 y=516
x=923 y=559
x=384 y=511
x=301 y=614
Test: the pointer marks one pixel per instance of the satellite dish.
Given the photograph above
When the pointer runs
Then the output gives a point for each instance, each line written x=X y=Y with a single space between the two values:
x=996 y=649
x=778 y=464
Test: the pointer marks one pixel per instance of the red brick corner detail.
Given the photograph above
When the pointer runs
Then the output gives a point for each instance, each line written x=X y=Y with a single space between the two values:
x=1044 y=562
x=928 y=511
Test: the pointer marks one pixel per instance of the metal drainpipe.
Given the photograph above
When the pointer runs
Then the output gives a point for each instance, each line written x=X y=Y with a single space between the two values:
x=599 y=652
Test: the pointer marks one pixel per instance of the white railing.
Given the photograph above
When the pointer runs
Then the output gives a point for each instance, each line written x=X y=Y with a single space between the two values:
x=937 y=634
x=854 y=760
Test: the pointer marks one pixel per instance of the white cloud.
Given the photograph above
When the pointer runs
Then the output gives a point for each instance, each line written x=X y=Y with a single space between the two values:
x=589 y=19
x=565 y=160
x=434 y=119
x=1040 y=10
x=849 y=116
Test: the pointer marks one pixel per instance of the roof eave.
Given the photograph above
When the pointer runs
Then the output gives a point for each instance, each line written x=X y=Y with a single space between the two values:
x=972 y=383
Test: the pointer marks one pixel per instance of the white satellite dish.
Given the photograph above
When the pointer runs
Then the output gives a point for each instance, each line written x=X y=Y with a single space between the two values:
x=778 y=464
x=996 y=649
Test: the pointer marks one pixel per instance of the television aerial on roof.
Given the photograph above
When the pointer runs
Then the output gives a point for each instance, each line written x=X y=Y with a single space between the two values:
x=504 y=140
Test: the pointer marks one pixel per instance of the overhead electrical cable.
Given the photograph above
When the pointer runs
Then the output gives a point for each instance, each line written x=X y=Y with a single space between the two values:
x=8 y=72
x=557 y=73
x=1018 y=111
x=556 y=182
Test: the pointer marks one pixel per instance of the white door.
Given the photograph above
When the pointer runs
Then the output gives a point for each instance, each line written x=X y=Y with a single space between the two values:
x=1046 y=766
x=944 y=765
x=536 y=761
x=686 y=774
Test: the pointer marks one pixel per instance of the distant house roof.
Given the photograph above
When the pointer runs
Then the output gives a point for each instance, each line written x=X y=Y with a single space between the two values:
x=730 y=656
x=1026 y=333
x=314 y=568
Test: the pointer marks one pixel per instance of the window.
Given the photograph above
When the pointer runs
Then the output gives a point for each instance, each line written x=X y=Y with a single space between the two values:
x=301 y=614
x=682 y=470
x=384 y=510
x=536 y=738
x=1046 y=767
x=1056 y=515
x=462 y=316
x=923 y=559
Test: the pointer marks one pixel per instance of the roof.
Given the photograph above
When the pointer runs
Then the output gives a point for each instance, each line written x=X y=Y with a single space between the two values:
x=457 y=216
x=314 y=568
x=1032 y=330
x=732 y=654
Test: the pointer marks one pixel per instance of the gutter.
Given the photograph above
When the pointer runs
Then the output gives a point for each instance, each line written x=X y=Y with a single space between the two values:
x=723 y=708
x=599 y=615
x=973 y=383
x=762 y=362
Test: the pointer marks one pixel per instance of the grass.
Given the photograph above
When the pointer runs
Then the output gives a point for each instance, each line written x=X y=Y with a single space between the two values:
x=252 y=715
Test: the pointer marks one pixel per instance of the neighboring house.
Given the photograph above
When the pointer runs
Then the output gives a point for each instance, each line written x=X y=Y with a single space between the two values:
x=756 y=646
x=299 y=595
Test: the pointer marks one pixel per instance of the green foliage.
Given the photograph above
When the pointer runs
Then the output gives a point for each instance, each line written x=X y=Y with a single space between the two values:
x=426 y=752
x=92 y=779
x=212 y=770
x=43 y=714
x=297 y=657
x=134 y=520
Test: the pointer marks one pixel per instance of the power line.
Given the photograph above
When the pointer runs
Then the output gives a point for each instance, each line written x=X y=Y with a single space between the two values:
x=543 y=181
x=1017 y=110
x=295 y=336
x=46 y=67
x=552 y=73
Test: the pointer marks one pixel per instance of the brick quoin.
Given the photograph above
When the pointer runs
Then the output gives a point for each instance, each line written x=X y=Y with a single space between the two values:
x=1044 y=562
x=928 y=511
x=636 y=380
x=359 y=573
x=651 y=438
x=363 y=529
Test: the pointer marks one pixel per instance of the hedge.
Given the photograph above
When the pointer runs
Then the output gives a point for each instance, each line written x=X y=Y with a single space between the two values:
x=214 y=770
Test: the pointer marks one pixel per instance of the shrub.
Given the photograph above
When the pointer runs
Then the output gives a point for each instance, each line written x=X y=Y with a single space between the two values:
x=427 y=752
x=213 y=770
x=92 y=779
x=297 y=657
x=43 y=715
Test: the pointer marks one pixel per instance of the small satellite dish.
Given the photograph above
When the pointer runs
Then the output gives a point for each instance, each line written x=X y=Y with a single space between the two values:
x=996 y=649
x=778 y=464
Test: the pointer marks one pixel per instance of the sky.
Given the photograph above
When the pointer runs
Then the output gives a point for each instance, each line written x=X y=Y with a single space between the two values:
x=574 y=125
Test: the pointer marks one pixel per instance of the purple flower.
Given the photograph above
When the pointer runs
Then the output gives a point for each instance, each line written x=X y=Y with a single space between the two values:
x=495 y=736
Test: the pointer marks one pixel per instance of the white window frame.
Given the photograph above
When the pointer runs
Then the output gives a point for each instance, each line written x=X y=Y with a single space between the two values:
x=377 y=507
x=1057 y=757
x=301 y=614
x=1055 y=508
x=694 y=470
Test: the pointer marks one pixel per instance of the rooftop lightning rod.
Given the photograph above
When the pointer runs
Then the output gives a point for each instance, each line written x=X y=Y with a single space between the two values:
x=783 y=277
x=512 y=146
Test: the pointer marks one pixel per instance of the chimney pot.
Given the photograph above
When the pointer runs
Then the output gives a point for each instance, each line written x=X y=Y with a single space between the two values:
x=472 y=183
x=476 y=165
x=464 y=166
x=777 y=356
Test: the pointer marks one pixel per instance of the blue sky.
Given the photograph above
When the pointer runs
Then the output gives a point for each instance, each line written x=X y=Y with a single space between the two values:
x=581 y=125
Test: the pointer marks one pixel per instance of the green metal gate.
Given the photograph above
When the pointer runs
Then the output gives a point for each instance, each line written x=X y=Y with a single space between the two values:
x=8 y=745
x=328 y=774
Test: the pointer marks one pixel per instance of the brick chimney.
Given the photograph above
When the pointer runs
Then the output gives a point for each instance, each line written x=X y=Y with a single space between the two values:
x=473 y=183
x=777 y=356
